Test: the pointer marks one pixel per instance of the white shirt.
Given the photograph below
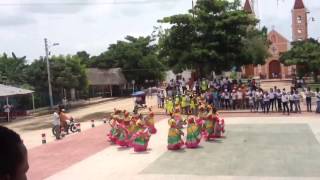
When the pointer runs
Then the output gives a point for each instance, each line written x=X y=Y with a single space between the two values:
x=291 y=97
x=234 y=95
x=56 y=119
x=318 y=96
x=271 y=95
x=183 y=83
x=259 y=95
x=6 y=108
x=284 y=98
x=296 y=97
x=308 y=94
x=239 y=95
x=278 y=95
x=227 y=96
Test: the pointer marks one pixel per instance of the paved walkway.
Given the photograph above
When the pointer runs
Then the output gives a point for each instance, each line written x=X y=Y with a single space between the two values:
x=56 y=156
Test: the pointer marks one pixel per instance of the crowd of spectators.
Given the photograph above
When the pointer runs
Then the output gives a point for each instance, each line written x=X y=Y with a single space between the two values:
x=226 y=94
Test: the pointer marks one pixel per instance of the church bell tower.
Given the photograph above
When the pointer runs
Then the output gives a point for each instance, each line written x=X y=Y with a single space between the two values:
x=299 y=21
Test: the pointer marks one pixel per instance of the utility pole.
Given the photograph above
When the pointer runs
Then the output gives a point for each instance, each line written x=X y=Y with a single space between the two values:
x=192 y=9
x=48 y=70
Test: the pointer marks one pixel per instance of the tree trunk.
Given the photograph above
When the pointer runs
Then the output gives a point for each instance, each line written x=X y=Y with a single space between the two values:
x=315 y=76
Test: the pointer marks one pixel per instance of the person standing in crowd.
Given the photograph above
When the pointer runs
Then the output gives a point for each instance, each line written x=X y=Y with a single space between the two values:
x=308 y=99
x=184 y=85
x=233 y=101
x=204 y=85
x=222 y=101
x=188 y=100
x=251 y=103
x=150 y=92
x=279 y=100
x=285 y=99
x=162 y=96
x=272 y=97
x=296 y=98
x=13 y=156
x=215 y=95
x=266 y=102
x=240 y=98
x=227 y=99
x=318 y=100
x=259 y=100
x=291 y=101
x=193 y=105
x=184 y=104
x=197 y=86
x=7 y=110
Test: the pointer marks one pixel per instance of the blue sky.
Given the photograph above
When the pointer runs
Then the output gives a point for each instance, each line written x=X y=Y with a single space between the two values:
x=92 y=25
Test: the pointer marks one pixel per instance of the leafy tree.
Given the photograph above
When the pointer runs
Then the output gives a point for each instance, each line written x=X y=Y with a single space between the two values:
x=67 y=72
x=255 y=49
x=214 y=36
x=12 y=69
x=306 y=55
x=84 y=57
x=136 y=56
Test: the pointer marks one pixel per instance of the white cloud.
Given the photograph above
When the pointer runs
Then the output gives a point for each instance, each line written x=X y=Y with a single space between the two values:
x=94 y=27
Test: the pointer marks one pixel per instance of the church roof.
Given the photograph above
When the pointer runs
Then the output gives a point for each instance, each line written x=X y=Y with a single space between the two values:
x=298 y=4
x=247 y=7
x=279 y=38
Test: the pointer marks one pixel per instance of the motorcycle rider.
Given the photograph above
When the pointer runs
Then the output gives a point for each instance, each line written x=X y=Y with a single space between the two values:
x=64 y=120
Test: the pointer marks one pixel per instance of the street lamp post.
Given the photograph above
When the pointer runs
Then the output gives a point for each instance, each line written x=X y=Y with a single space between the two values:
x=48 y=70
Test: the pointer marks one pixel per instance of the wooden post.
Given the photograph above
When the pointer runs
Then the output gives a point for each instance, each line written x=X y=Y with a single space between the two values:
x=110 y=89
x=33 y=106
x=8 y=113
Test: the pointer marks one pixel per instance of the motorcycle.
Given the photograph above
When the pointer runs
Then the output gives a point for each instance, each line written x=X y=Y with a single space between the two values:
x=71 y=126
x=140 y=102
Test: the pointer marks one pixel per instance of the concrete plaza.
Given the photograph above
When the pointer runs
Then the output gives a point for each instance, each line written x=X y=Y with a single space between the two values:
x=260 y=147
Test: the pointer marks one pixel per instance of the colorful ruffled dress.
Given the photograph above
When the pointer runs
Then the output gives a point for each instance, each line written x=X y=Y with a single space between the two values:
x=140 y=140
x=123 y=135
x=112 y=135
x=150 y=123
x=202 y=115
x=178 y=119
x=175 y=141
x=209 y=127
x=219 y=127
x=193 y=134
x=170 y=107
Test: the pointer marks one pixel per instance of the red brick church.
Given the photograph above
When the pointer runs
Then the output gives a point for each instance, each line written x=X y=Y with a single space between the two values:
x=273 y=69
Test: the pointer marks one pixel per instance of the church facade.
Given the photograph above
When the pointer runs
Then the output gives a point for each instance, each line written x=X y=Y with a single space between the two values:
x=273 y=69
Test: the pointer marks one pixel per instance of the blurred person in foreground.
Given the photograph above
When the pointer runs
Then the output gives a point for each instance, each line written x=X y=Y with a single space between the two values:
x=13 y=156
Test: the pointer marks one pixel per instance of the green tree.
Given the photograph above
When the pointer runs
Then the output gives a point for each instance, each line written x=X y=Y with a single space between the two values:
x=84 y=57
x=306 y=55
x=67 y=73
x=12 y=69
x=136 y=56
x=214 y=36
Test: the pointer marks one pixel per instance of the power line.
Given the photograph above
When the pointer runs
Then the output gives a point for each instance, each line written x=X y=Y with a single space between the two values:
x=133 y=2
